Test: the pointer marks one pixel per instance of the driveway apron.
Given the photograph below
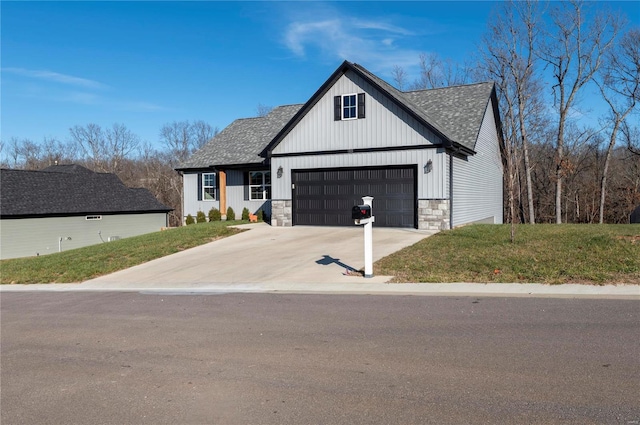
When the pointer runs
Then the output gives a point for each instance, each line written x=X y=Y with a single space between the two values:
x=265 y=254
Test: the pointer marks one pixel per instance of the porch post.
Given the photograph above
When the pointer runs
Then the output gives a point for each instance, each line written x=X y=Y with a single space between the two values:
x=222 y=181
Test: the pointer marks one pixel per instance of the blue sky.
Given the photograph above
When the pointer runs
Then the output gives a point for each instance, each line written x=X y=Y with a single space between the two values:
x=145 y=64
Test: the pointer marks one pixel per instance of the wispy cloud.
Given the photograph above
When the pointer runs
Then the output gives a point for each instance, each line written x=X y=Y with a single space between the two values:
x=57 y=87
x=377 y=44
x=55 y=77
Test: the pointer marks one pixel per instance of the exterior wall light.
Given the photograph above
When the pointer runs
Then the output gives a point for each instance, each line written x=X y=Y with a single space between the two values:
x=428 y=167
x=279 y=172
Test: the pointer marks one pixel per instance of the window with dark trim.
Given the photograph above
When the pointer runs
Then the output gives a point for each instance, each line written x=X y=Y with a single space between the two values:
x=349 y=106
x=259 y=185
x=209 y=186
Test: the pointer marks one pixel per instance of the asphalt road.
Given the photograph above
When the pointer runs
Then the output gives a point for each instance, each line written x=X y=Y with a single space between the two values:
x=129 y=358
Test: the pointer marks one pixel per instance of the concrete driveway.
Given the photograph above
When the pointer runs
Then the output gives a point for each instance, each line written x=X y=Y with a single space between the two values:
x=263 y=255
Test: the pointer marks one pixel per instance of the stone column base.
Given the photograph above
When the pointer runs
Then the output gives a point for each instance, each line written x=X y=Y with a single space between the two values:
x=281 y=213
x=433 y=214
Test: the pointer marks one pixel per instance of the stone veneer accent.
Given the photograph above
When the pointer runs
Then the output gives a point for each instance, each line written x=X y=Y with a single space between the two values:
x=281 y=213
x=433 y=214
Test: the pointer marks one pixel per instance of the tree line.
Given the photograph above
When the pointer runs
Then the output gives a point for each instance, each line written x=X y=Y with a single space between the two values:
x=118 y=150
x=546 y=58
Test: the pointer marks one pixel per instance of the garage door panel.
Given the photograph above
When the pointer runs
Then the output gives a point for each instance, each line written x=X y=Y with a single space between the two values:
x=326 y=197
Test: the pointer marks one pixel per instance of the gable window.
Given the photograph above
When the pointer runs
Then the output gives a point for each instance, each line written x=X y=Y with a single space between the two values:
x=209 y=186
x=259 y=185
x=348 y=106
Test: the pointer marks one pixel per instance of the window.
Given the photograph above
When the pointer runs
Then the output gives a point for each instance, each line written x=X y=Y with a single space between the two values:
x=260 y=185
x=349 y=106
x=209 y=187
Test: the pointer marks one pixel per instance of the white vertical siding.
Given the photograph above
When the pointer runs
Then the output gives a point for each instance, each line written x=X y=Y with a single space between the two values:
x=477 y=182
x=384 y=125
x=32 y=236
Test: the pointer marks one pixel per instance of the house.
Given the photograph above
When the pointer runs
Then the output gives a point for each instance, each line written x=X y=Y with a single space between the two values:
x=430 y=158
x=68 y=206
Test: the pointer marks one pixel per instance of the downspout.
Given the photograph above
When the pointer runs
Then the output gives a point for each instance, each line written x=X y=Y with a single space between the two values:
x=450 y=190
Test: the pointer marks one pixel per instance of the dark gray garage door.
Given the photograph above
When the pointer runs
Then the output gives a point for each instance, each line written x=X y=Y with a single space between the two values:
x=325 y=197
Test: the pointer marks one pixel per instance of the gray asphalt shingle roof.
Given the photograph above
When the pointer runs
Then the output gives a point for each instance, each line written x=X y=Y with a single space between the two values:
x=455 y=113
x=243 y=140
x=70 y=190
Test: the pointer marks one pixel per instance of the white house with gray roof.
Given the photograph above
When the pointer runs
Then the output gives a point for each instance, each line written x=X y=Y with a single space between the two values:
x=430 y=158
x=68 y=206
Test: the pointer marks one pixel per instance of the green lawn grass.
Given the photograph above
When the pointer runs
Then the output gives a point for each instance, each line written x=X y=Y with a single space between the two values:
x=553 y=254
x=86 y=263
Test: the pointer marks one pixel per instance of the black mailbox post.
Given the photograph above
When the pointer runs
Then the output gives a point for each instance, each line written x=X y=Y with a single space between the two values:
x=359 y=212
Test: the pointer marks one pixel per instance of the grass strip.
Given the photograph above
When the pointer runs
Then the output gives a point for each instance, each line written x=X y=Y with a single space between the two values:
x=541 y=253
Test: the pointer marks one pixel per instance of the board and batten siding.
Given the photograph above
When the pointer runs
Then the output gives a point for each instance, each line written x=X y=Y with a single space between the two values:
x=235 y=196
x=477 y=181
x=27 y=237
x=385 y=124
x=429 y=186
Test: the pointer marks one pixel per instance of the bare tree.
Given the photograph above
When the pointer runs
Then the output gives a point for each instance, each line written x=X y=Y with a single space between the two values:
x=121 y=143
x=178 y=138
x=631 y=135
x=263 y=110
x=91 y=142
x=510 y=60
x=203 y=133
x=620 y=88
x=436 y=72
x=399 y=77
x=574 y=50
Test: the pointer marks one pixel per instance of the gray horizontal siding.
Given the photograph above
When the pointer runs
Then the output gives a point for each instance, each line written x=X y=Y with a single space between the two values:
x=32 y=236
x=430 y=186
x=477 y=182
x=385 y=124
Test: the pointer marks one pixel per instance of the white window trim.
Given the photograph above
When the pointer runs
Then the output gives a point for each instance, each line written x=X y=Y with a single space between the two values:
x=204 y=188
x=264 y=191
x=355 y=95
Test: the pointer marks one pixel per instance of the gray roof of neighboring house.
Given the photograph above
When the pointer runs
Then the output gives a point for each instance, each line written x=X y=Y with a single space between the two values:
x=70 y=190
x=243 y=141
x=453 y=113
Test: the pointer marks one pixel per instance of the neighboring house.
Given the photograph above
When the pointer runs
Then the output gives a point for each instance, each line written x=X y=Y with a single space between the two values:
x=430 y=158
x=68 y=206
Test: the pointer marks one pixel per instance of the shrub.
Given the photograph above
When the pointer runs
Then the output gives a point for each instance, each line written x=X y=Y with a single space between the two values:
x=231 y=215
x=215 y=215
x=260 y=215
x=190 y=219
x=245 y=213
x=200 y=217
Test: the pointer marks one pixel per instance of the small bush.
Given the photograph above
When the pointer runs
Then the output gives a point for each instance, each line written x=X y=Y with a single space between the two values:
x=200 y=217
x=215 y=215
x=260 y=215
x=245 y=213
x=231 y=214
x=190 y=219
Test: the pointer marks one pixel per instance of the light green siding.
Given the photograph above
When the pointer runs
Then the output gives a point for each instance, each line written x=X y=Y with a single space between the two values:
x=40 y=236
